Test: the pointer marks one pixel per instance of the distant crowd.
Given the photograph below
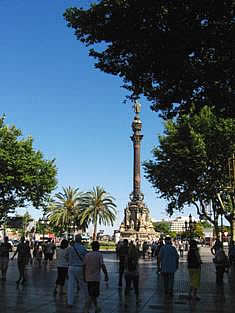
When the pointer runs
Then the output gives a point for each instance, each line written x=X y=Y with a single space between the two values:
x=83 y=269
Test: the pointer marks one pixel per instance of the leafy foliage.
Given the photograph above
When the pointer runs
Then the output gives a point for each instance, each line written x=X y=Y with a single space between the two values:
x=64 y=211
x=191 y=163
x=162 y=227
x=25 y=177
x=179 y=54
x=99 y=208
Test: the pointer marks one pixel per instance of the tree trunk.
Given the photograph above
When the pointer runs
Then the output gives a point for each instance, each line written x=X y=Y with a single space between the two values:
x=95 y=224
x=216 y=228
x=94 y=231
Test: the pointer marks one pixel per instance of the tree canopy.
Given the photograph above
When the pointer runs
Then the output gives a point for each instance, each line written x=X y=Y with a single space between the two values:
x=66 y=208
x=162 y=227
x=25 y=176
x=99 y=208
x=177 y=53
x=190 y=164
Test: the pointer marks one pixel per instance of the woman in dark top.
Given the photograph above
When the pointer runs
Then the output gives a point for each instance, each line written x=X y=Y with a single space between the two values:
x=194 y=268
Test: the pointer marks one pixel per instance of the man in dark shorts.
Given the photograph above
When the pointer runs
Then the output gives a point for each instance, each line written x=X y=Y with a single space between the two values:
x=131 y=273
x=93 y=263
x=49 y=252
x=123 y=255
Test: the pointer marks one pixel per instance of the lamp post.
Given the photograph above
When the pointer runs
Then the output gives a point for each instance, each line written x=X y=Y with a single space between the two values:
x=186 y=226
x=190 y=226
x=43 y=222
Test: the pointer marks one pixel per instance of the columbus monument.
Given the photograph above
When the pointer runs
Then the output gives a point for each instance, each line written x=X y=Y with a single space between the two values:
x=137 y=224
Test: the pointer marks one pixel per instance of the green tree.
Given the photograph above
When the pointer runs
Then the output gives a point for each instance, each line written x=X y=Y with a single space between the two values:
x=99 y=209
x=190 y=166
x=64 y=211
x=199 y=231
x=162 y=227
x=176 y=53
x=205 y=224
x=25 y=177
x=27 y=218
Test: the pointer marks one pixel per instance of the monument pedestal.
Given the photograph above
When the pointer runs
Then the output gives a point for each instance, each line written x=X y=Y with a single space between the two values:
x=137 y=225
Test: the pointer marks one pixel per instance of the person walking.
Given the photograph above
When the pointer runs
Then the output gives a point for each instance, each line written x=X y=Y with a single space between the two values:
x=153 y=248
x=23 y=255
x=5 y=248
x=221 y=264
x=131 y=272
x=29 y=256
x=169 y=260
x=49 y=251
x=62 y=267
x=217 y=246
x=144 y=249
x=194 y=268
x=75 y=255
x=93 y=263
x=159 y=246
x=123 y=254
x=37 y=254
x=181 y=248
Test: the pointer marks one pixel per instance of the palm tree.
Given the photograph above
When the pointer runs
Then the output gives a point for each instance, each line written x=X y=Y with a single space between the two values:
x=98 y=208
x=64 y=211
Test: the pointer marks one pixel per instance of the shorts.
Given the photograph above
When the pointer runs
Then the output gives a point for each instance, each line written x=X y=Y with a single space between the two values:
x=62 y=274
x=93 y=288
x=48 y=256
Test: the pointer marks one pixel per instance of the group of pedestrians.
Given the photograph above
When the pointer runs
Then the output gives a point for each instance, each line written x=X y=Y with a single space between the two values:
x=128 y=267
x=168 y=262
x=74 y=263
x=82 y=269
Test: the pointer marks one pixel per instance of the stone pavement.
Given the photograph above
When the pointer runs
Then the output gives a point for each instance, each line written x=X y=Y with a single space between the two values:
x=37 y=294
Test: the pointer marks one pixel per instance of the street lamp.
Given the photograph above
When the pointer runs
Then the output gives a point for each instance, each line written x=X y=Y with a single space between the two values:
x=190 y=226
x=43 y=221
x=186 y=226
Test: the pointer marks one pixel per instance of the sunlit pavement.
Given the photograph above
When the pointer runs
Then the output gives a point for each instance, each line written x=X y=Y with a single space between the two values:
x=37 y=294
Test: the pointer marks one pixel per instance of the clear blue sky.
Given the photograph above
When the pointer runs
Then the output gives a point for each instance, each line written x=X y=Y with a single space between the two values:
x=75 y=113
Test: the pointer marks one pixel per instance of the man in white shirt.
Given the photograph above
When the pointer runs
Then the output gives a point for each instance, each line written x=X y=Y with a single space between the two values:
x=93 y=263
x=75 y=255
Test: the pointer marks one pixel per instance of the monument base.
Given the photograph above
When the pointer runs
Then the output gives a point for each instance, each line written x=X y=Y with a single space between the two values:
x=137 y=236
x=137 y=225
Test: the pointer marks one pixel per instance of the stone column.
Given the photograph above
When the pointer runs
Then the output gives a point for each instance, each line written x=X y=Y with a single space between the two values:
x=136 y=139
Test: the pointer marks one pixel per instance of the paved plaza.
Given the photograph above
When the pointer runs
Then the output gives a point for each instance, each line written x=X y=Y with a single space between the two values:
x=37 y=294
